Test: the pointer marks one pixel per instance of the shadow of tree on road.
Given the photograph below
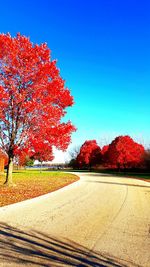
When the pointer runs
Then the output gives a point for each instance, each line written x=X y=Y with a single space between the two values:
x=116 y=183
x=37 y=249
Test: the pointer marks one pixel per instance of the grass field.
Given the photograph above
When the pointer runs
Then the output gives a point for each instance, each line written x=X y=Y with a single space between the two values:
x=33 y=183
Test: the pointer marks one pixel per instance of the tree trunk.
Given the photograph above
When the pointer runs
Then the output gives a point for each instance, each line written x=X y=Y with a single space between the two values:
x=9 y=181
x=90 y=167
x=118 y=165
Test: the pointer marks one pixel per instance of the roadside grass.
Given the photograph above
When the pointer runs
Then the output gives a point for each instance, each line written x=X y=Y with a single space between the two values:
x=33 y=183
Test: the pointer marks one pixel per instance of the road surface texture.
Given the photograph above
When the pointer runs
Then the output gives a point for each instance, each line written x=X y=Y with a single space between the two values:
x=100 y=220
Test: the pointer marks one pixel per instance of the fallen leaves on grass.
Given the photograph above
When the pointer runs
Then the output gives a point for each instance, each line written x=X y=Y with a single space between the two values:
x=30 y=184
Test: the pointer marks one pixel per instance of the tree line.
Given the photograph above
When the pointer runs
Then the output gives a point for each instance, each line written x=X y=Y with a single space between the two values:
x=121 y=154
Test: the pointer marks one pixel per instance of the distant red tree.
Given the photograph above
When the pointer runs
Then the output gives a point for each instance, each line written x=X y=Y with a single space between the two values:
x=104 y=154
x=4 y=156
x=89 y=155
x=123 y=152
x=104 y=149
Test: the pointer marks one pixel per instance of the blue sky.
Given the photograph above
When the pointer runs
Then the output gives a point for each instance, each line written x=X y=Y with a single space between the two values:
x=103 y=52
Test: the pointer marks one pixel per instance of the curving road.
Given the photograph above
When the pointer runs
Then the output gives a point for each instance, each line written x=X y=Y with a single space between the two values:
x=98 y=221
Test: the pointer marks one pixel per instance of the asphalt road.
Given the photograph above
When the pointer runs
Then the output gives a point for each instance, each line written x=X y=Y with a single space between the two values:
x=98 y=221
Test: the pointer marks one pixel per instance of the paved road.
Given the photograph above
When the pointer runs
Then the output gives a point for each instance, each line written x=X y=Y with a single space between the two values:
x=99 y=221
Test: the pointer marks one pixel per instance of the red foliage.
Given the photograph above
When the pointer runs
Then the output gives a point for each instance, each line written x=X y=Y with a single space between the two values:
x=104 y=154
x=33 y=99
x=104 y=149
x=22 y=157
x=90 y=154
x=43 y=155
x=38 y=153
x=123 y=152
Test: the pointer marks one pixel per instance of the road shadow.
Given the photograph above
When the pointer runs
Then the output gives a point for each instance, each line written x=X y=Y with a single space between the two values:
x=98 y=174
x=115 y=183
x=37 y=249
x=88 y=173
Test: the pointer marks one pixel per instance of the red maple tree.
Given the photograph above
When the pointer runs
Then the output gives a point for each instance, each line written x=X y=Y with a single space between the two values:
x=89 y=155
x=104 y=154
x=33 y=99
x=104 y=149
x=124 y=152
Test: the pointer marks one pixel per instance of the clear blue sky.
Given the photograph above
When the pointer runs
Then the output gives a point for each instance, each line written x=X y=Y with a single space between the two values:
x=103 y=52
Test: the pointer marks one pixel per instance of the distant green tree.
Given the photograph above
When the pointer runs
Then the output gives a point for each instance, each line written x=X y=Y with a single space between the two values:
x=74 y=152
x=29 y=162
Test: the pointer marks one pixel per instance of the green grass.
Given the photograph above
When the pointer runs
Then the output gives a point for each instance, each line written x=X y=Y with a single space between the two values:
x=33 y=183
